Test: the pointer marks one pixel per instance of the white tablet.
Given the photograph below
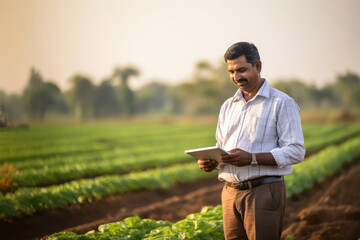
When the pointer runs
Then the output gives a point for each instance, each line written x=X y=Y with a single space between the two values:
x=214 y=152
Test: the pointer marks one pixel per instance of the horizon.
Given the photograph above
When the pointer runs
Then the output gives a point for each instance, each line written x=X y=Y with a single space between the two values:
x=310 y=41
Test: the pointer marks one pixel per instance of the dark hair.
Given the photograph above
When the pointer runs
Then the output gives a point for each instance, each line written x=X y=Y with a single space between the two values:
x=243 y=48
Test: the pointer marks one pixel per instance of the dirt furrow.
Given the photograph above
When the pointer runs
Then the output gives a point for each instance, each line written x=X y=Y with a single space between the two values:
x=330 y=210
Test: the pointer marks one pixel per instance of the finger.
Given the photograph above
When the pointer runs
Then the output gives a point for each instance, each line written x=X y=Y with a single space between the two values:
x=230 y=161
x=213 y=162
x=202 y=166
x=227 y=157
x=209 y=161
x=201 y=162
x=204 y=161
x=208 y=169
x=234 y=150
x=227 y=160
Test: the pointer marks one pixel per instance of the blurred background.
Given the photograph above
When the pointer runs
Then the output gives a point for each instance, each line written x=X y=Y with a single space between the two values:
x=89 y=60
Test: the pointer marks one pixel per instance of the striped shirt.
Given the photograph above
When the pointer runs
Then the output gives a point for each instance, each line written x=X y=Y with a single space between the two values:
x=269 y=122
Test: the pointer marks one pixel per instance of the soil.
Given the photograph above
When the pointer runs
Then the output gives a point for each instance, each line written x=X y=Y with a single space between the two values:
x=330 y=210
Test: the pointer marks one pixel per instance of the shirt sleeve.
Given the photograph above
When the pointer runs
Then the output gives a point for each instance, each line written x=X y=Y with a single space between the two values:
x=291 y=148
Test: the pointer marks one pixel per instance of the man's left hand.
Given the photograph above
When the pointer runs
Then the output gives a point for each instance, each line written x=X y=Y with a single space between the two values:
x=237 y=157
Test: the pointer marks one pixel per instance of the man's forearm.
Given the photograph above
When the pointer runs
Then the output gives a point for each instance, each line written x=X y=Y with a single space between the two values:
x=265 y=159
x=241 y=158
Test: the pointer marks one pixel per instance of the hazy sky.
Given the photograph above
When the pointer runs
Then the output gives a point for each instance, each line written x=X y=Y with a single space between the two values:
x=310 y=39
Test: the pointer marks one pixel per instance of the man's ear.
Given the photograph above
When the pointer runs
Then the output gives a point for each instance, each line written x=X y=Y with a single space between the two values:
x=258 y=65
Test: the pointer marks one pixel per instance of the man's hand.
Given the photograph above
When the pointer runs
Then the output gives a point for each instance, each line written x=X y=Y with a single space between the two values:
x=207 y=165
x=237 y=157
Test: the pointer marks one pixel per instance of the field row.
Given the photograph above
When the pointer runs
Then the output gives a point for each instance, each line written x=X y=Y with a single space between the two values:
x=208 y=223
x=27 y=201
x=42 y=142
x=47 y=142
x=125 y=152
x=55 y=170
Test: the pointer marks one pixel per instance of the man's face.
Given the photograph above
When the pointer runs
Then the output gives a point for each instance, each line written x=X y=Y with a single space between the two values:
x=243 y=74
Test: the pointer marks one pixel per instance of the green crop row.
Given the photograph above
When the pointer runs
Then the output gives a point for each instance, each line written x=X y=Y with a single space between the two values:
x=77 y=132
x=42 y=142
x=120 y=160
x=122 y=150
x=208 y=223
x=33 y=177
x=28 y=144
x=27 y=201
x=316 y=130
x=321 y=165
x=318 y=142
x=21 y=145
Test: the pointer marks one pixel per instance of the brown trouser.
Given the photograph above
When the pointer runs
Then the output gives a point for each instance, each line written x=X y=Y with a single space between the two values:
x=254 y=213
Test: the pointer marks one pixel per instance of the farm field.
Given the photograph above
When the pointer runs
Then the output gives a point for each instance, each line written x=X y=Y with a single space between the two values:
x=77 y=177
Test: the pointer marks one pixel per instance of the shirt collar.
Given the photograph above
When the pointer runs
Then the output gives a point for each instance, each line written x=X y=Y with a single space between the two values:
x=263 y=91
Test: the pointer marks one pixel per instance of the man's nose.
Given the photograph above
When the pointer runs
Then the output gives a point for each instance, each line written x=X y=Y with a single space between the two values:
x=237 y=75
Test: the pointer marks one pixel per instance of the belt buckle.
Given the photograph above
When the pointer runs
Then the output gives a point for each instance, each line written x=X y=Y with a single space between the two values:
x=242 y=185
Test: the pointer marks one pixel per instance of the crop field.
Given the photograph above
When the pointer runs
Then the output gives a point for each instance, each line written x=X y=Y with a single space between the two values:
x=43 y=168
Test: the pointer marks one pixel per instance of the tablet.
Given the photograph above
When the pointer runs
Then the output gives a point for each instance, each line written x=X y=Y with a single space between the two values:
x=214 y=152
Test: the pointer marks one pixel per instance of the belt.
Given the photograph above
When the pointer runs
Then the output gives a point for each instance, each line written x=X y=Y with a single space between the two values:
x=254 y=182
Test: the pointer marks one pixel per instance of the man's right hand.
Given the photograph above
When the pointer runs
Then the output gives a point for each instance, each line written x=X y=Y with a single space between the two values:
x=207 y=165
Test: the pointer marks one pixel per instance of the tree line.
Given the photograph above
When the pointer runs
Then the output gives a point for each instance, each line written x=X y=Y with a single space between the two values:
x=201 y=94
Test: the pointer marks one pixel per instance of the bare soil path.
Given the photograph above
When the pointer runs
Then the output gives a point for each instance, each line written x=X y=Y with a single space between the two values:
x=330 y=210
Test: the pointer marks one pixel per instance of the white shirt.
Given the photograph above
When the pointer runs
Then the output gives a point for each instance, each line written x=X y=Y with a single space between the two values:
x=269 y=122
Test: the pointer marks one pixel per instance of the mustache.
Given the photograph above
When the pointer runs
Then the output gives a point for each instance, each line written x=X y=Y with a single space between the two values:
x=241 y=80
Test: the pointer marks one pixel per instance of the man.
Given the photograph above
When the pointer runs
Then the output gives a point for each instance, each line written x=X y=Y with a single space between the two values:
x=261 y=128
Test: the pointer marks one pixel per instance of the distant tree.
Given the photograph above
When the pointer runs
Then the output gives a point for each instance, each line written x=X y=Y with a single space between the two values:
x=296 y=89
x=40 y=97
x=153 y=97
x=35 y=79
x=82 y=96
x=106 y=102
x=126 y=95
x=124 y=73
x=204 y=71
x=175 y=101
x=202 y=93
x=348 y=89
x=185 y=97
x=325 y=97
x=58 y=98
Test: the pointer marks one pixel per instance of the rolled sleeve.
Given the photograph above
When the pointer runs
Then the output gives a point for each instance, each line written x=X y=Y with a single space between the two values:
x=291 y=148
